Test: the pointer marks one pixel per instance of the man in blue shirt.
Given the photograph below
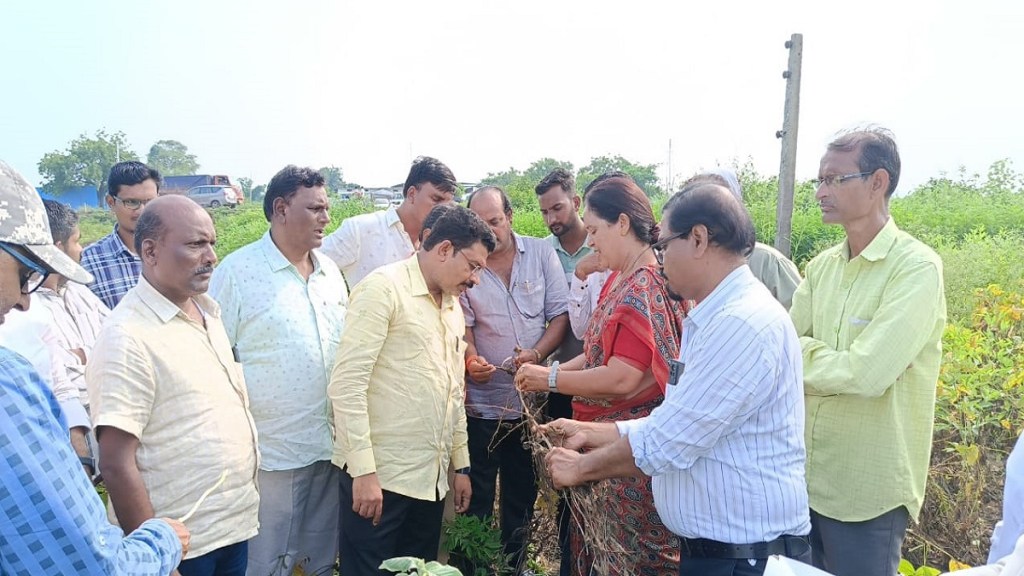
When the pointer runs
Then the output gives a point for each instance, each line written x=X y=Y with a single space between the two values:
x=112 y=259
x=51 y=519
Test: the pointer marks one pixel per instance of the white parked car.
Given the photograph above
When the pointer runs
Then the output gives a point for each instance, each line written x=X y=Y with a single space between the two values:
x=213 y=196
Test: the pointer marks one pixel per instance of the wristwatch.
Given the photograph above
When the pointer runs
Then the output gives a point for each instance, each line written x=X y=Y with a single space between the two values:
x=463 y=471
x=552 y=376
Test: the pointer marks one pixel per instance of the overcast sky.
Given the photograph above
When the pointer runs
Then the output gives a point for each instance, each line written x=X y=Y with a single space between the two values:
x=485 y=85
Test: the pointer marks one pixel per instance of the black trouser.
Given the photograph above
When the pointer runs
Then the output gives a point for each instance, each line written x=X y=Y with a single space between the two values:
x=496 y=447
x=408 y=527
x=795 y=547
x=867 y=548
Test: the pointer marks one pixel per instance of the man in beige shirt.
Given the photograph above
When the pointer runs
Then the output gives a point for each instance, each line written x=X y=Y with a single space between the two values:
x=168 y=400
x=397 y=391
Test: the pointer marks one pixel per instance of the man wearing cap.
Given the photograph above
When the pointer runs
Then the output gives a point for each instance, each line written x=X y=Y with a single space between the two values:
x=168 y=400
x=51 y=519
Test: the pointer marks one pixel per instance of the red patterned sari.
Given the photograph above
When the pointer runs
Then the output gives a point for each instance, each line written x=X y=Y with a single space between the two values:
x=640 y=305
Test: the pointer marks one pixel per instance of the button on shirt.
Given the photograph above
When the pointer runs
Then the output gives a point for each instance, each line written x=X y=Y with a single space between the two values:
x=51 y=519
x=726 y=448
x=397 y=385
x=366 y=242
x=871 y=333
x=505 y=317
x=115 y=267
x=173 y=384
x=286 y=330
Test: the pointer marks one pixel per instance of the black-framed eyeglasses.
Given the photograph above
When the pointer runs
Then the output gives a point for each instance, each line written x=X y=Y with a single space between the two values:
x=835 y=180
x=659 y=247
x=474 y=268
x=131 y=203
x=32 y=276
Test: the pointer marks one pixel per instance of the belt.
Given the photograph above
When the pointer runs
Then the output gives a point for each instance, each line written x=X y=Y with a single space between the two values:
x=789 y=546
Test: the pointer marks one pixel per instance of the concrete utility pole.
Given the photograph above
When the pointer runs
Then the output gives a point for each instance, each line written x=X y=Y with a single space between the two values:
x=787 y=167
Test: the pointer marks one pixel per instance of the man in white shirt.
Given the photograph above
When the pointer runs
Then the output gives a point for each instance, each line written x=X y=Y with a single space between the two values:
x=726 y=448
x=75 y=317
x=283 y=307
x=366 y=242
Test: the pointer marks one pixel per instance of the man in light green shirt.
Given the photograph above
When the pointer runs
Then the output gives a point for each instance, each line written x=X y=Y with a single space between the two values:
x=870 y=313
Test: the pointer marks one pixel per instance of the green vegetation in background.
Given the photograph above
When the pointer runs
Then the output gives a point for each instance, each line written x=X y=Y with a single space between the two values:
x=976 y=224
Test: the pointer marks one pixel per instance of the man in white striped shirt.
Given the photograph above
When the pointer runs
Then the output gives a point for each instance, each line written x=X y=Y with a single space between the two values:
x=726 y=448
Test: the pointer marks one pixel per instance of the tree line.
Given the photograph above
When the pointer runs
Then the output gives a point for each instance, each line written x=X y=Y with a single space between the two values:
x=86 y=161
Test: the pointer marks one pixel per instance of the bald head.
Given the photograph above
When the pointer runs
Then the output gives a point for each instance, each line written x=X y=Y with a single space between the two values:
x=164 y=211
x=490 y=196
x=717 y=209
x=175 y=237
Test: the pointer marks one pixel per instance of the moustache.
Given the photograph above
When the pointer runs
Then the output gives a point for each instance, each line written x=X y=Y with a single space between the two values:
x=204 y=270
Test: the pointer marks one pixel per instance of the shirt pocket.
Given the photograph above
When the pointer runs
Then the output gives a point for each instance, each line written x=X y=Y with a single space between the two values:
x=855 y=325
x=528 y=296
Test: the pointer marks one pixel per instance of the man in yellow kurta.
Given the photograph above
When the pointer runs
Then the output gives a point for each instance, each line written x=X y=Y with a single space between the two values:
x=870 y=313
x=397 y=392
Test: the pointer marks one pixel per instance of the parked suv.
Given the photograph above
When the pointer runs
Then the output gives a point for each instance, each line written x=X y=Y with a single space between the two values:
x=213 y=196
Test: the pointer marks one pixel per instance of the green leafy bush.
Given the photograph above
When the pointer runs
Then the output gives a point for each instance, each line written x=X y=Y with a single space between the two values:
x=474 y=545
x=978 y=414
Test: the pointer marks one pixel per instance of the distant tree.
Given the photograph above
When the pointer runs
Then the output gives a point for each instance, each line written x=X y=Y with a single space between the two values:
x=541 y=168
x=646 y=175
x=335 y=178
x=171 y=158
x=246 y=185
x=258 y=192
x=503 y=179
x=86 y=162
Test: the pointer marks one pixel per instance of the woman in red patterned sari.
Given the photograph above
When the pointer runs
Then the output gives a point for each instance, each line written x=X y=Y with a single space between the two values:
x=621 y=375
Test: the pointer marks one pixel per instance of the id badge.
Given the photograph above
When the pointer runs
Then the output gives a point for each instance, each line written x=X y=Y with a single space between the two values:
x=675 y=371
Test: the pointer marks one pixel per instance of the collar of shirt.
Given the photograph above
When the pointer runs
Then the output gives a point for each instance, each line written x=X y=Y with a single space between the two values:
x=879 y=246
x=718 y=297
x=115 y=244
x=418 y=284
x=277 y=260
x=557 y=245
x=167 y=310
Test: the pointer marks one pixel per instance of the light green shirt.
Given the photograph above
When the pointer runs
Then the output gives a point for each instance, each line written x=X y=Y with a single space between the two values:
x=871 y=333
x=568 y=261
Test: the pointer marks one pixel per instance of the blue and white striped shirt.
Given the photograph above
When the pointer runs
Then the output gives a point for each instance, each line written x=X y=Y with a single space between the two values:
x=51 y=519
x=726 y=448
x=116 y=268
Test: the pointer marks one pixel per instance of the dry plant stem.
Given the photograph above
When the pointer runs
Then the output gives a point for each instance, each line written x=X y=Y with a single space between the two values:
x=195 y=507
x=587 y=503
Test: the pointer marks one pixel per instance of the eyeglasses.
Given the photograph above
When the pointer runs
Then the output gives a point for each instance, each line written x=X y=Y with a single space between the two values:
x=834 y=180
x=659 y=247
x=131 y=203
x=33 y=276
x=474 y=268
